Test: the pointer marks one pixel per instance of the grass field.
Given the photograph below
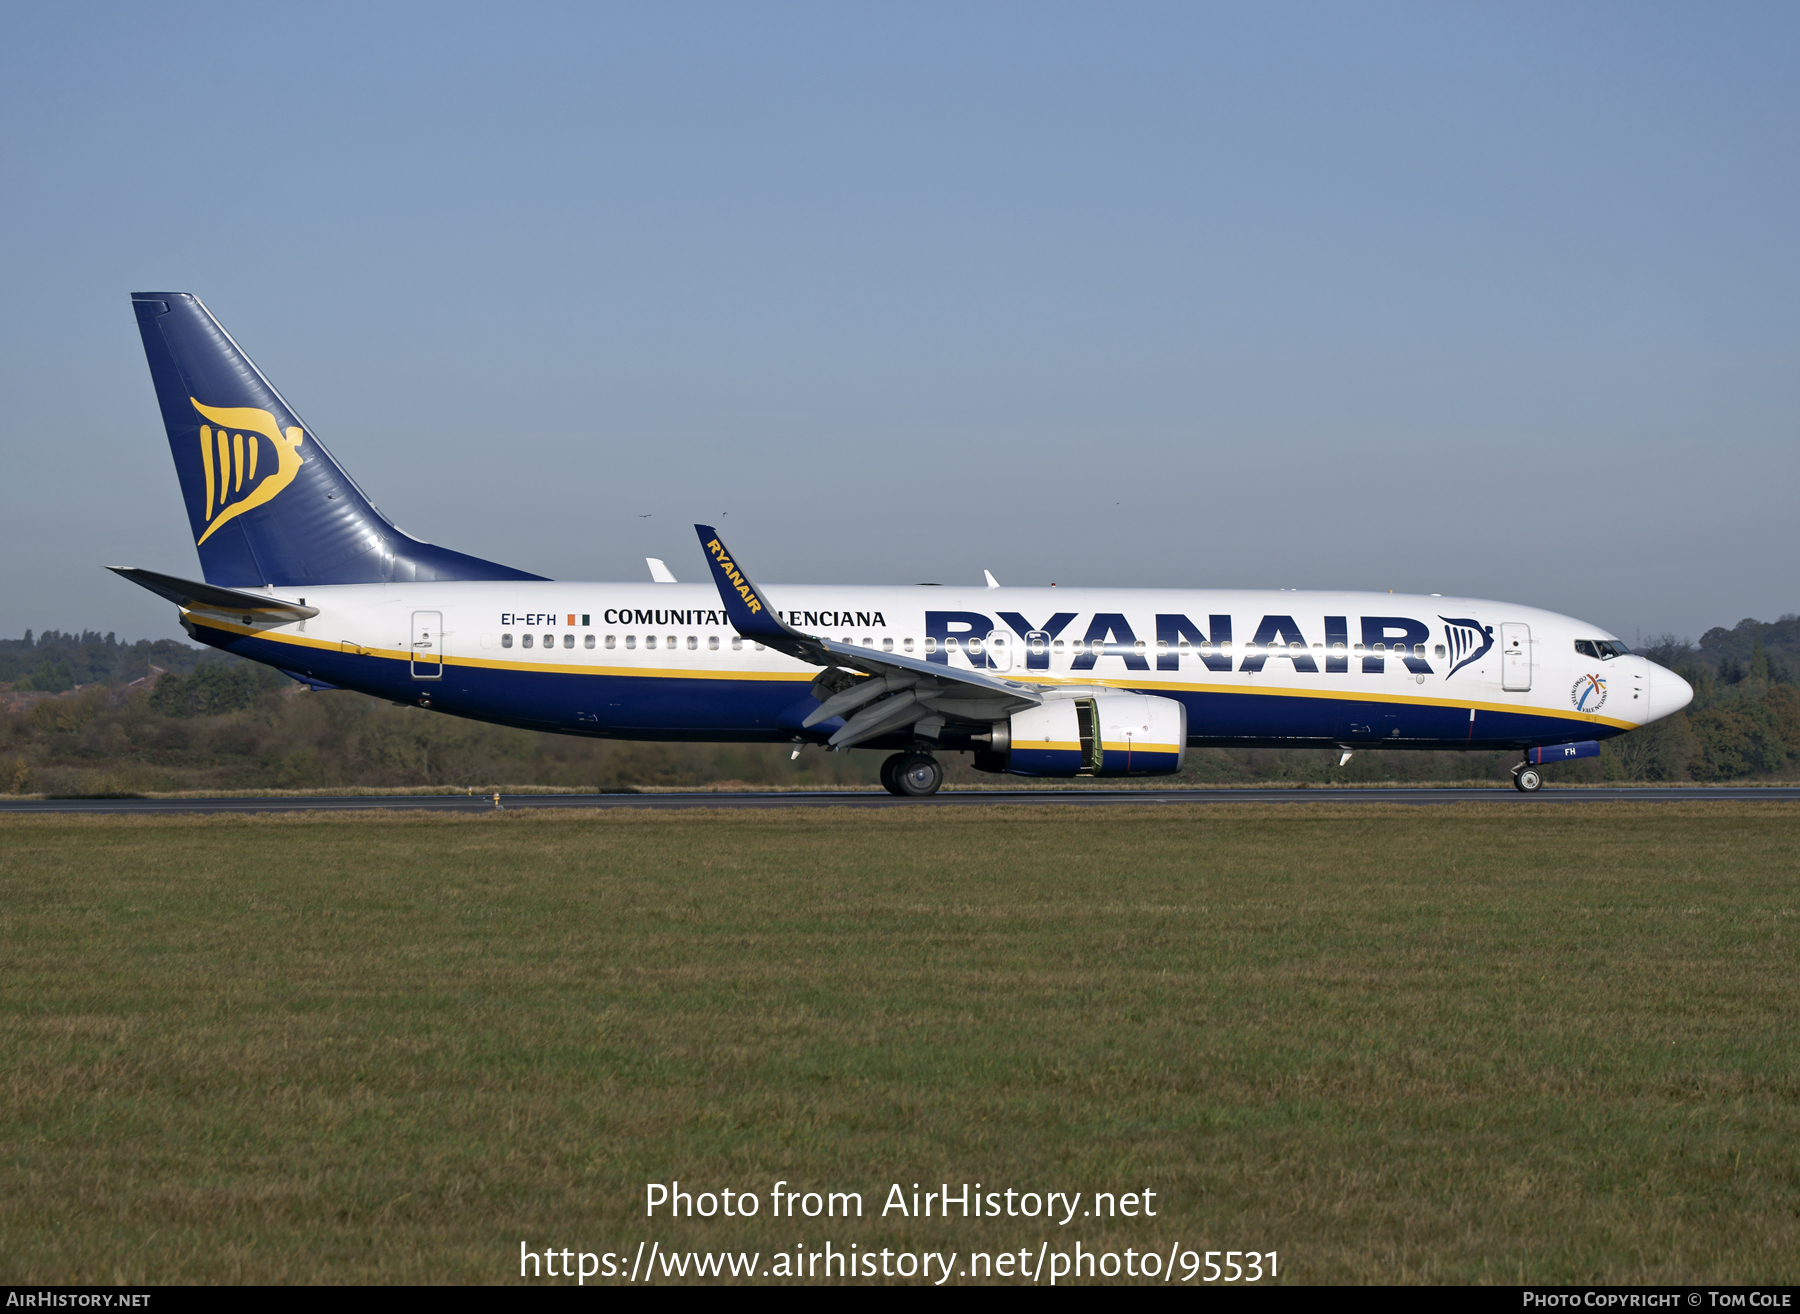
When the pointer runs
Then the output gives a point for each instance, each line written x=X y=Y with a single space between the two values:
x=1447 y=1044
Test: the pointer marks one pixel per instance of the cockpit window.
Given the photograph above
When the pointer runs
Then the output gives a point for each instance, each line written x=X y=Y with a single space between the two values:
x=1602 y=649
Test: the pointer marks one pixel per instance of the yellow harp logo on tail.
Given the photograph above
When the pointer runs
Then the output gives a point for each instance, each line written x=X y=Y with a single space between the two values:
x=232 y=457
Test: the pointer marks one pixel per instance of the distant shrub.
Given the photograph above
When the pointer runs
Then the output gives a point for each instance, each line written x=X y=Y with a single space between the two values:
x=212 y=689
x=51 y=677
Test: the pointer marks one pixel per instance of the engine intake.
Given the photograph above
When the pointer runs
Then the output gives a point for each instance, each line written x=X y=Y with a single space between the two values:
x=1107 y=735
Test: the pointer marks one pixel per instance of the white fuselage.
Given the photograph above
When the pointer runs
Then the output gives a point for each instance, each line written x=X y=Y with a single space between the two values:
x=662 y=660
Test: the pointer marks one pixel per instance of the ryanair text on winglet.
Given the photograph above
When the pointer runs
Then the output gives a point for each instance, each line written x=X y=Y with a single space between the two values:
x=731 y=573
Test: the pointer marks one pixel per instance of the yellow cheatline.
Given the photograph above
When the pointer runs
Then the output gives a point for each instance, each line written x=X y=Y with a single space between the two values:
x=206 y=464
x=1340 y=696
x=287 y=455
x=404 y=654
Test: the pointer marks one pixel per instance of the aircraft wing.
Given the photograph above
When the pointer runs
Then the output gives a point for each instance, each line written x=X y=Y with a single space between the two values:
x=211 y=599
x=899 y=692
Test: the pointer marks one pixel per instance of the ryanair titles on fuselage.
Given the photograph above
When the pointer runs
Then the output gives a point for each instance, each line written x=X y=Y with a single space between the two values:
x=1327 y=646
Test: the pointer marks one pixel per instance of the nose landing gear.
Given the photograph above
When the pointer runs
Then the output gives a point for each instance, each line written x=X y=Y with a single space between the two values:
x=912 y=775
x=1527 y=779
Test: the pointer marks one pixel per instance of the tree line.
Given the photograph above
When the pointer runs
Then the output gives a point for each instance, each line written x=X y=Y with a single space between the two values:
x=55 y=662
x=214 y=721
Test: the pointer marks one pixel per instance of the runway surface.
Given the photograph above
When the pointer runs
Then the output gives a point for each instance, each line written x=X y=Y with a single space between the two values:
x=1548 y=796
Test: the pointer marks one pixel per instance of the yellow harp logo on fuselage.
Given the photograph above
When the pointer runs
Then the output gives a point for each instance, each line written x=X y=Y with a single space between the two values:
x=231 y=457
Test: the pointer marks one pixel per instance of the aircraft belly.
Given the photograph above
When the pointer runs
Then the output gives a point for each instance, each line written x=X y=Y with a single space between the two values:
x=1224 y=719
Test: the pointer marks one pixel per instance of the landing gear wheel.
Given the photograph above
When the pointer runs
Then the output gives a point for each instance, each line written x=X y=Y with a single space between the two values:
x=889 y=767
x=1527 y=780
x=917 y=775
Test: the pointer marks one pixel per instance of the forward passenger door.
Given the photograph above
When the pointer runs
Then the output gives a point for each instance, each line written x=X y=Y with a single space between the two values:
x=1515 y=658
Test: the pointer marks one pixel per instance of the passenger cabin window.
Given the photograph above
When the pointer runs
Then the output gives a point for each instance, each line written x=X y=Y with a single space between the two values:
x=712 y=642
x=887 y=645
x=524 y=640
x=693 y=642
x=506 y=640
x=1440 y=650
x=650 y=641
x=549 y=640
x=737 y=643
x=588 y=642
x=569 y=640
x=673 y=645
x=631 y=640
x=612 y=641
x=907 y=644
x=931 y=645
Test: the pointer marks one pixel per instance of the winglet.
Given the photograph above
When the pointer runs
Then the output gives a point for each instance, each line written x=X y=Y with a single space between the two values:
x=750 y=615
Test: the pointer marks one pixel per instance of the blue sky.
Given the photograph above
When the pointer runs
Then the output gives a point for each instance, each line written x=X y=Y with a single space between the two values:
x=1494 y=300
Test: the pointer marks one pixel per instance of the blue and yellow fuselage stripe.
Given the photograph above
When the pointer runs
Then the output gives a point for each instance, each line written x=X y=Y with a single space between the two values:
x=685 y=703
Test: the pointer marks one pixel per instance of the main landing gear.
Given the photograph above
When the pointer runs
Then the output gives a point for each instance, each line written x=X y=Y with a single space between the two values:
x=1526 y=779
x=912 y=775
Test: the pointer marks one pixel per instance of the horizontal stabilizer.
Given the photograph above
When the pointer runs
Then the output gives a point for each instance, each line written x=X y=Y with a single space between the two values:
x=234 y=604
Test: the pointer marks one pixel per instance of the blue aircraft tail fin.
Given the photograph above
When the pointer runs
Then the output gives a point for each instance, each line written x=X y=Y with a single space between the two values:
x=266 y=502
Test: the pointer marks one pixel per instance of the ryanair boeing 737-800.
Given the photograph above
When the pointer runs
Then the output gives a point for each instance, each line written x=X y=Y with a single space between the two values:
x=303 y=573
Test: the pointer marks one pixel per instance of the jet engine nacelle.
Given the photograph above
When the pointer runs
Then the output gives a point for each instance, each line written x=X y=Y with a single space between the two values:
x=1107 y=735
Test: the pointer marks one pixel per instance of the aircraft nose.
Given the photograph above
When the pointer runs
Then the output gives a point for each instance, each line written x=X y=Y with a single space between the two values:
x=1669 y=693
